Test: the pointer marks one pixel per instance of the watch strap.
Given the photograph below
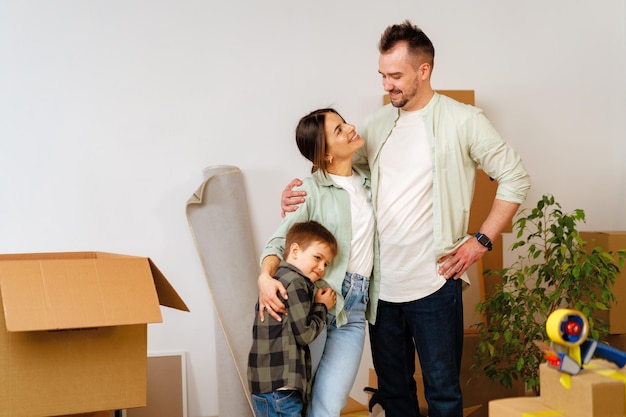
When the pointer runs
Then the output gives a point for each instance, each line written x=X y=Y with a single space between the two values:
x=484 y=240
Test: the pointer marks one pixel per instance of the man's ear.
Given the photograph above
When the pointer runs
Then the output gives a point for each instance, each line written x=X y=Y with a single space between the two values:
x=424 y=70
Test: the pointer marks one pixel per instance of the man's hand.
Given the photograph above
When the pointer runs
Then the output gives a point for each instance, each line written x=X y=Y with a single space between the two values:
x=455 y=264
x=326 y=296
x=269 y=299
x=291 y=199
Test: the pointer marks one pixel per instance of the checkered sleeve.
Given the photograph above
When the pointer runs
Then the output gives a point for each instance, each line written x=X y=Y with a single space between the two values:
x=306 y=317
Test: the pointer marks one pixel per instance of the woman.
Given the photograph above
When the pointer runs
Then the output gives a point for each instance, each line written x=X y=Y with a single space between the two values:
x=338 y=197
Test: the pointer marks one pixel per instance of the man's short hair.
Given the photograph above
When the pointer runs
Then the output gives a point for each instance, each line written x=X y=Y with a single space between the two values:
x=418 y=43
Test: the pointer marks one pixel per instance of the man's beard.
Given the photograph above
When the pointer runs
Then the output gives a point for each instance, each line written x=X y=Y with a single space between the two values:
x=400 y=103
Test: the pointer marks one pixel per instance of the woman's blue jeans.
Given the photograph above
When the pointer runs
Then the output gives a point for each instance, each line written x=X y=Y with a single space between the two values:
x=342 y=351
x=282 y=403
x=434 y=326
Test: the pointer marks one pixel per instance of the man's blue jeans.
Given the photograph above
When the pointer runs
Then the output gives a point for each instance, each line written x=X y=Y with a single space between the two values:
x=282 y=403
x=433 y=325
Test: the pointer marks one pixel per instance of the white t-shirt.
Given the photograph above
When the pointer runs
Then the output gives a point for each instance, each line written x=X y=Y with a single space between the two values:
x=405 y=213
x=362 y=241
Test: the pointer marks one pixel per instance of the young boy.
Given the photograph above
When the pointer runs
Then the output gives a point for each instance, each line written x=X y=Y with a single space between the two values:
x=279 y=364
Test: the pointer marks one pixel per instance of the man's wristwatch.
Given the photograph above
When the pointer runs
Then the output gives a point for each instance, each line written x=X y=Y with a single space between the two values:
x=484 y=240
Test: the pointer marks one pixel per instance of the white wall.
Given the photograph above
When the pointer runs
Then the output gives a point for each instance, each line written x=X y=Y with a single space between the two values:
x=109 y=111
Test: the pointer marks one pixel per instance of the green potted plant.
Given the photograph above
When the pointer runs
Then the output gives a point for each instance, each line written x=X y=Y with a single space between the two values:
x=555 y=269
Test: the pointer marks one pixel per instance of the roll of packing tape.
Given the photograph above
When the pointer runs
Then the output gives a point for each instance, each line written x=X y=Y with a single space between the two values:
x=567 y=327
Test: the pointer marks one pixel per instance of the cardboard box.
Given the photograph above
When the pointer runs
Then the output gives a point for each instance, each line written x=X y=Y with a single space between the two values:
x=521 y=407
x=618 y=341
x=73 y=331
x=612 y=241
x=597 y=391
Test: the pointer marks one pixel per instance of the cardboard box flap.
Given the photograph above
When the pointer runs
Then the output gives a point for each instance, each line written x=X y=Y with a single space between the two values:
x=76 y=290
x=167 y=294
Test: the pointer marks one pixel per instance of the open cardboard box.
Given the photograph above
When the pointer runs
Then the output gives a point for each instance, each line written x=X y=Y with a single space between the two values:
x=73 y=331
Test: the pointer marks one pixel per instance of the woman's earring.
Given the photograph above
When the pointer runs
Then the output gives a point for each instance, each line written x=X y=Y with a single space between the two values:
x=330 y=160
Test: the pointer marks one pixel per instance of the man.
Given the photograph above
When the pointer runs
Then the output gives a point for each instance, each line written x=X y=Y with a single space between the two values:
x=423 y=150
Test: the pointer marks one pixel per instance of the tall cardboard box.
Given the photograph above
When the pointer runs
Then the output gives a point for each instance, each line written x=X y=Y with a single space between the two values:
x=73 y=331
x=612 y=241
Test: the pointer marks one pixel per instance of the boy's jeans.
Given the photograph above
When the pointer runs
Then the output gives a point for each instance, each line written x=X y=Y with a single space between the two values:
x=281 y=403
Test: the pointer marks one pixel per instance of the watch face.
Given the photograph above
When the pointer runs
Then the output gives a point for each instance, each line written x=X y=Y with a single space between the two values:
x=484 y=240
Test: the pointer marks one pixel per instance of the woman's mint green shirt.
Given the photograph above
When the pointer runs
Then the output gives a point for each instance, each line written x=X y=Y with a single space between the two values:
x=329 y=204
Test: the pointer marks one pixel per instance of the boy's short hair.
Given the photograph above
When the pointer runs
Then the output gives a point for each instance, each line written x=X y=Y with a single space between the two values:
x=305 y=233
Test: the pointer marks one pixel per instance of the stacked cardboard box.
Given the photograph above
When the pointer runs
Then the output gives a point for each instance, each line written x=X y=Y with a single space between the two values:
x=597 y=391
